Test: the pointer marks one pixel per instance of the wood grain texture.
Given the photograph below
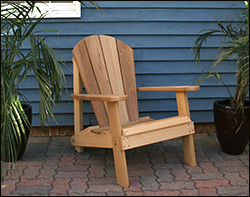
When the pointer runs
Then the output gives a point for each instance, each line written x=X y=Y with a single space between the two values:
x=125 y=125
x=107 y=68
x=187 y=141
x=89 y=79
x=155 y=125
x=90 y=139
x=143 y=139
x=78 y=110
x=119 y=155
x=100 y=97
x=170 y=88
x=110 y=55
x=126 y=59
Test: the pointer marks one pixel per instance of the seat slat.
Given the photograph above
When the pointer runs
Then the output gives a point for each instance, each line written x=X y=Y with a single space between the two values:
x=126 y=125
x=160 y=135
x=156 y=125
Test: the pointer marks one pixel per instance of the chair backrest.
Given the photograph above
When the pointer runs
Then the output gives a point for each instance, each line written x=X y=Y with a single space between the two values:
x=106 y=66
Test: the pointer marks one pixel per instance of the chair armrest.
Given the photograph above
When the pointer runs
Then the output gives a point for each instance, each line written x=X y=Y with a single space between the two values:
x=170 y=88
x=97 y=97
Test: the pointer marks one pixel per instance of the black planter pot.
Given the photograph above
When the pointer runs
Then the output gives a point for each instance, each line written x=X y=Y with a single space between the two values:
x=28 y=111
x=24 y=137
x=226 y=126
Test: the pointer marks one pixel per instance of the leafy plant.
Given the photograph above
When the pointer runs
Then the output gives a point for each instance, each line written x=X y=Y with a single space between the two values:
x=40 y=60
x=238 y=48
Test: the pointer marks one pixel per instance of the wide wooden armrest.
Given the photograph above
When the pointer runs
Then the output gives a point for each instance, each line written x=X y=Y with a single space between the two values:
x=170 y=88
x=97 y=97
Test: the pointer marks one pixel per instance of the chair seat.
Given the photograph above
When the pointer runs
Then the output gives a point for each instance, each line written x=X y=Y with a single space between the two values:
x=138 y=133
x=154 y=125
x=106 y=129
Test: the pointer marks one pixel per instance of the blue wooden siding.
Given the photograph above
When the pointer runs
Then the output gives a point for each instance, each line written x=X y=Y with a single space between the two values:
x=161 y=34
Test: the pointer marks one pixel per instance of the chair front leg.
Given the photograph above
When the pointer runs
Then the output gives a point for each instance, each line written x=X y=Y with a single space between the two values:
x=187 y=141
x=119 y=155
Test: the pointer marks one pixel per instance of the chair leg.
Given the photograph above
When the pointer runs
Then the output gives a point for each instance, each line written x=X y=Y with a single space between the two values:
x=78 y=111
x=119 y=155
x=79 y=149
x=189 y=150
x=187 y=141
x=121 y=167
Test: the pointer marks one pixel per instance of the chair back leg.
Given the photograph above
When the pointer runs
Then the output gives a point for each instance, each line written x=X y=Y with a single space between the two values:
x=78 y=111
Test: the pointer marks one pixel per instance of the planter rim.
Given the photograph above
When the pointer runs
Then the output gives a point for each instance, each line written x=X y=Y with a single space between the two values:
x=26 y=106
x=226 y=105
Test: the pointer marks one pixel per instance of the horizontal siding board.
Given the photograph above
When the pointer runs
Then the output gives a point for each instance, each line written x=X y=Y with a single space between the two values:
x=150 y=15
x=184 y=67
x=145 y=105
x=139 y=41
x=159 y=54
x=184 y=79
x=128 y=28
x=168 y=4
x=159 y=14
x=198 y=116
x=169 y=67
x=162 y=105
x=65 y=119
x=162 y=34
x=205 y=92
x=173 y=54
x=150 y=80
x=30 y=82
x=89 y=119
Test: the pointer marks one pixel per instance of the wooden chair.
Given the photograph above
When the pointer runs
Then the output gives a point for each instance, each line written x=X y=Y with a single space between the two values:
x=105 y=65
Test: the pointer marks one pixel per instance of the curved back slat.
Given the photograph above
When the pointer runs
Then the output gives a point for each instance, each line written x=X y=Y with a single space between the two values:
x=105 y=69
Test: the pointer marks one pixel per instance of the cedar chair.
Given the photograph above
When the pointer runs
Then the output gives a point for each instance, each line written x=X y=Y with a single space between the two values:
x=105 y=65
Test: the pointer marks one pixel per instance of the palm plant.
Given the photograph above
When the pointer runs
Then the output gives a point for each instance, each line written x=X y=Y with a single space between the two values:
x=42 y=61
x=238 y=47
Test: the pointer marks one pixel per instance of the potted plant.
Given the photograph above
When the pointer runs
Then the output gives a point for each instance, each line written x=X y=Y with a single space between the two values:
x=231 y=116
x=40 y=60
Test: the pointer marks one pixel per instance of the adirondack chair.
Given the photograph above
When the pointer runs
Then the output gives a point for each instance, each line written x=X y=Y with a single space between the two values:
x=105 y=65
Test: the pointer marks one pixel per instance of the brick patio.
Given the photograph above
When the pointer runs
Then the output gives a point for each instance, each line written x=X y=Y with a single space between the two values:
x=51 y=167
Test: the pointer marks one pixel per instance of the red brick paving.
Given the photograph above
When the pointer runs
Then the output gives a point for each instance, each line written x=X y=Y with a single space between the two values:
x=30 y=183
x=60 y=186
x=212 y=183
x=207 y=192
x=63 y=172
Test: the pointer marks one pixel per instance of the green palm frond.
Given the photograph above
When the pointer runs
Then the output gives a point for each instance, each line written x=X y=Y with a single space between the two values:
x=17 y=27
x=238 y=48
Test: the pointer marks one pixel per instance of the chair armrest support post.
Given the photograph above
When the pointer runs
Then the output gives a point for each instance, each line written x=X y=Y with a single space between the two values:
x=78 y=108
